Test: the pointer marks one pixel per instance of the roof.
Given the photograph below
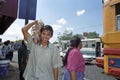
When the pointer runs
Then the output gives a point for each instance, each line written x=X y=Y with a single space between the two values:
x=93 y=39
x=5 y=22
x=8 y=14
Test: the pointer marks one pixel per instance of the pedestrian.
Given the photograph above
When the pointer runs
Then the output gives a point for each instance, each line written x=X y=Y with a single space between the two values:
x=74 y=62
x=11 y=50
x=22 y=59
x=8 y=50
x=1 y=55
x=5 y=50
x=44 y=58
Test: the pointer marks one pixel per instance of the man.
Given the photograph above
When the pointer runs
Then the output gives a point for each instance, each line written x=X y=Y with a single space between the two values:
x=22 y=59
x=44 y=58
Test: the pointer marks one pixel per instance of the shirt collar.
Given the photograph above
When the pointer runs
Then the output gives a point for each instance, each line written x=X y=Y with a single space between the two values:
x=48 y=44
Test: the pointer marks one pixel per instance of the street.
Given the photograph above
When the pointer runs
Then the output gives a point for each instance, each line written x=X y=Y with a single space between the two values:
x=92 y=72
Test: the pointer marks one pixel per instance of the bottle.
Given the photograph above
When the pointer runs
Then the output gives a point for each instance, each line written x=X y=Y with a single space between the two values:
x=36 y=31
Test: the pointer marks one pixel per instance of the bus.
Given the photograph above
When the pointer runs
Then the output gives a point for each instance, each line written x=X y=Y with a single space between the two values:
x=111 y=39
x=91 y=48
x=95 y=44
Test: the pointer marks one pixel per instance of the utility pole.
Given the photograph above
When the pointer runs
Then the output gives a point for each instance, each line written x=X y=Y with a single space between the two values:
x=27 y=11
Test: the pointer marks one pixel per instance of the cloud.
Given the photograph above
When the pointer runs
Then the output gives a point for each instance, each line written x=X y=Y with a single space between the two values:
x=79 y=13
x=56 y=27
x=69 y=30
x=61 y=21
x=13 y=30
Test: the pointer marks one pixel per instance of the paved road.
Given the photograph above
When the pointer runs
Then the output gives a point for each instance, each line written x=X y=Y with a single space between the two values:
x=92 y=72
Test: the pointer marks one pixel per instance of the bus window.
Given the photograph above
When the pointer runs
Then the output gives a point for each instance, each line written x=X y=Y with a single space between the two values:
x=86 y=45
x=118 y=22
x=93 y=45
x=117 y=7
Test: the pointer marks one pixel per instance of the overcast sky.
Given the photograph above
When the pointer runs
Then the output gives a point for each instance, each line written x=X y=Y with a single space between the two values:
x=77 y=16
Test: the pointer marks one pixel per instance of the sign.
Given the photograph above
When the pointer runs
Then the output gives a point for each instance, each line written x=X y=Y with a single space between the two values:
x=85 y=34
x=27 y=8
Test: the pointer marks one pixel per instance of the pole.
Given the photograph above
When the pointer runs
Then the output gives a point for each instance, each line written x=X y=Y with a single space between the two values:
x=27 y=11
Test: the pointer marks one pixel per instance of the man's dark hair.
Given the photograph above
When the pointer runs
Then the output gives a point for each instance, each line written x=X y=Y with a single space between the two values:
x=47 y=27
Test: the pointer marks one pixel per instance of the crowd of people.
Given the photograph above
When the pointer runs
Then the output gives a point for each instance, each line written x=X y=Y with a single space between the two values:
x=6 y=50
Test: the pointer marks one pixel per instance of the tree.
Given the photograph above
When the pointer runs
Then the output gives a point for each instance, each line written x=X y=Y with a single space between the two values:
x=66 y=36
x=55 y=42
x=93 y=35
x=79 y=35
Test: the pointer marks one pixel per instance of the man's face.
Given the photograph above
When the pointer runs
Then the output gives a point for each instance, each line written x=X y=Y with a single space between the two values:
x=45 y=36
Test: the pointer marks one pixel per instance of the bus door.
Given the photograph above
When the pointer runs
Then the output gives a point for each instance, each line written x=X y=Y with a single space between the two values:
x=98 y=49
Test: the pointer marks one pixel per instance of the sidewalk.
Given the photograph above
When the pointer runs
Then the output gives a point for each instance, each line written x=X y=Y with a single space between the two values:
x=13 y=72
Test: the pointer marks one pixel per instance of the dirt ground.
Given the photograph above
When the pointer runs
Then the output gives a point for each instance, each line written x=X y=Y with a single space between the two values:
x=13 y=72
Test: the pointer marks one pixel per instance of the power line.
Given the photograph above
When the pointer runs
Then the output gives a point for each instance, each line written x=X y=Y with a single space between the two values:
x=89 y=26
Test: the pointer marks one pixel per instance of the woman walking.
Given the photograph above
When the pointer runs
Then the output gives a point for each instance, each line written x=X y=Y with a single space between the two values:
x=74 y=62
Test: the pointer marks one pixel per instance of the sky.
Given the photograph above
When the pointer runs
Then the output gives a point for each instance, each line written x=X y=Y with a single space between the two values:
x=77 y=16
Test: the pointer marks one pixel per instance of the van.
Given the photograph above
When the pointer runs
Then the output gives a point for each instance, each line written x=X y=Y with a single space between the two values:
x=88 y=54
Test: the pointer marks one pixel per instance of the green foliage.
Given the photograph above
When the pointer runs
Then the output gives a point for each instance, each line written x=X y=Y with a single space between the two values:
x=55 y=42
x=93 y=35
x=66 y=36
x=79 y=35
x=18 y=41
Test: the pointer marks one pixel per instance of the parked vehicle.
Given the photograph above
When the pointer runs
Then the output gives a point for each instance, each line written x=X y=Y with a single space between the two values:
x=93 y=44
x=63 y=53
x=88 y=54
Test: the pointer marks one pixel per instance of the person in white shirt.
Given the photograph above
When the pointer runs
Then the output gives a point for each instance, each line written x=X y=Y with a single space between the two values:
x=44 y=58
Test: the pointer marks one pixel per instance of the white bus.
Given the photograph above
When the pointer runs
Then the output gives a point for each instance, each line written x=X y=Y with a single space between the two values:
x=91 y=48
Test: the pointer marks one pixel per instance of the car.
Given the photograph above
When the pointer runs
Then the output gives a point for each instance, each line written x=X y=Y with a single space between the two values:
x=63 y=53
x=88 y=54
